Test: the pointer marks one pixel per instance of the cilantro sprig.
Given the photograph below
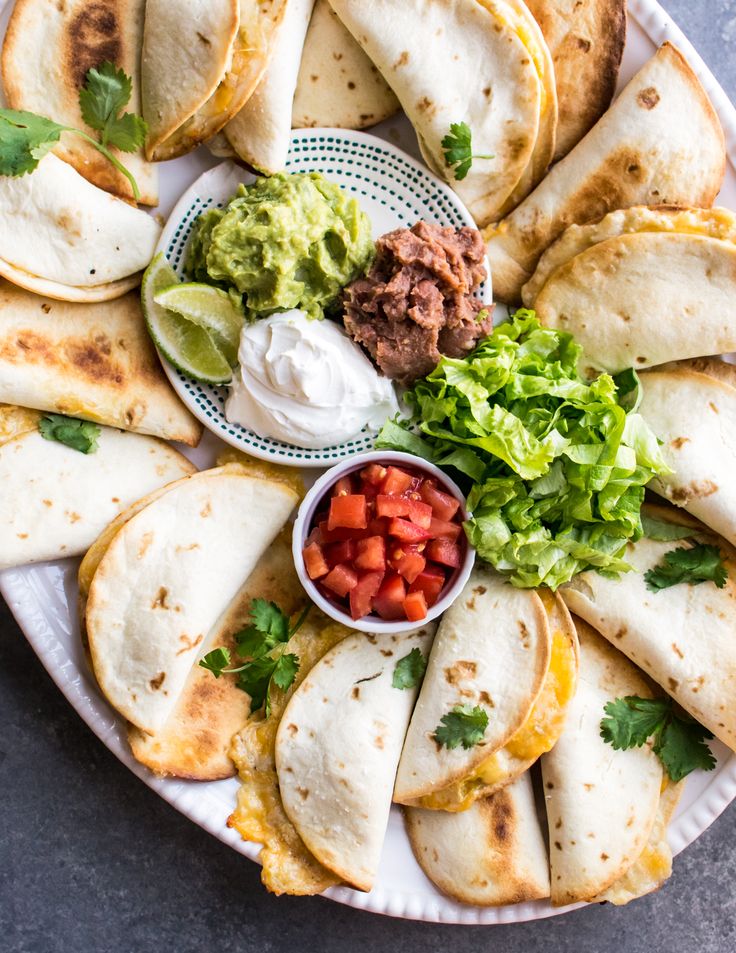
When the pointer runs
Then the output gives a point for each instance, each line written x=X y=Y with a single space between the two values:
x=694 y=564
x=81 y=435
x=263 y=644
x=458 y=149
x=409 y=670
x=25 y=137
x=462 y=725
x=678 y=741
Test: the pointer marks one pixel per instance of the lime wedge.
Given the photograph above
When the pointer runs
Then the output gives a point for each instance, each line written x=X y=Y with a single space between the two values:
x=211 y=308
x=186 y=345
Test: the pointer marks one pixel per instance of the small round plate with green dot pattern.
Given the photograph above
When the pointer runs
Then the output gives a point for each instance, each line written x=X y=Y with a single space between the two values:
x=391 y=187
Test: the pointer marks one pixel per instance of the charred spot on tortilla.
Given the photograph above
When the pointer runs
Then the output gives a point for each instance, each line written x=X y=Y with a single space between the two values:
x=648 y=98
x=460 y=671
x=93 y=36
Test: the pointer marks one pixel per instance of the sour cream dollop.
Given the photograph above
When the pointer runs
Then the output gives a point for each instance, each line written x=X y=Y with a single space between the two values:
x=305 y=382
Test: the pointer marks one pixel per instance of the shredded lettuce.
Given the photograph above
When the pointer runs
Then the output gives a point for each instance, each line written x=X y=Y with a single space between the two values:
x=557 y=464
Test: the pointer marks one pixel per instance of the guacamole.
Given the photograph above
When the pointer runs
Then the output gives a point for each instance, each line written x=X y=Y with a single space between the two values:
x=288 y=241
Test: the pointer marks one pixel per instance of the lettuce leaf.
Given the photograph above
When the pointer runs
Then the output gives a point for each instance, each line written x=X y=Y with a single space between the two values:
x=557 y=464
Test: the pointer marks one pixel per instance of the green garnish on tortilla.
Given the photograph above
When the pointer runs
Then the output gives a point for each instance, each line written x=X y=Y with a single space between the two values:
x=25 y=137
x=81 y=435
x=462 y=725
x=694 y=564
x=409 y=670
x=679 y=741
x=458 y=149
x=263 y=643
x=558 y=464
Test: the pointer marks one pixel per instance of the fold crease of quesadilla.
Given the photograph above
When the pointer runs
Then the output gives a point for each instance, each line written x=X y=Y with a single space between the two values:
x=69 y=39
x=492 y=854
x=660 y=142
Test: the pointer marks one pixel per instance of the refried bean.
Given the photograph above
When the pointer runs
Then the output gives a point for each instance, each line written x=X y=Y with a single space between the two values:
x=416 y=303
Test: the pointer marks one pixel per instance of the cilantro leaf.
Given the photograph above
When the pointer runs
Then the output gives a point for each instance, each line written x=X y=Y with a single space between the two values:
x=458 y=149
x=694 y=564
x=462 y=726
x=678 y=740
x=285 y=671
x=409 y=670
x=105 y=94
x=255 y=679
x=25 y=138
x=215 y=661
x=269 y=619
x=81 y=435
x=663 y=531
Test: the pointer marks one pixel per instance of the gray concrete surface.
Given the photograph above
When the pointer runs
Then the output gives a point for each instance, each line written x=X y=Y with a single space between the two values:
x=92 y=861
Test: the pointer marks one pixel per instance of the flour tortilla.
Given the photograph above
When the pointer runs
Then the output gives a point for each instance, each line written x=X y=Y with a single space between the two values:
x=338 y=85
x=586 y=41
x=660 y=142
x=682 y=637
x=452 y=61
x=601 y=804
x=91 y=361
x=69 y=39
x=338 y=746
x=492 y=650
x=55 y=500
x=167 y=578
x=694 y=415
x=201 y=63
x=490 y=855
x=261 y=131
x=70 y=240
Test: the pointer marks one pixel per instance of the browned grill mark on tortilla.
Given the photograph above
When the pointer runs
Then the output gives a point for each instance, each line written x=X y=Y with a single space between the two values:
x=93 y=37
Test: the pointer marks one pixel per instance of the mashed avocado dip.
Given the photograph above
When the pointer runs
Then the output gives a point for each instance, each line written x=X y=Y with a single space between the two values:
x=288 y=241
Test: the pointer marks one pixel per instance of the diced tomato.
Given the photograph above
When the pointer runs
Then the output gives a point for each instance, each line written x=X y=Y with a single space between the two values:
x=444 y=551
x=343 y=487
x=443 y=505
x=431 y=582
x=374 y=474
x=348 y=512
x=415 y=606
x=396 y=481
x=314 y=561
x=370 y=492
x=378 y=526
x=314 y=537
x=418 y=512
x=438 y=527
x=371 y=554
x=341 y=580
x=409 y=565
x=361 y=596
x=340 y=552
x=389 y=600
x=337 y=535
x=407 y=532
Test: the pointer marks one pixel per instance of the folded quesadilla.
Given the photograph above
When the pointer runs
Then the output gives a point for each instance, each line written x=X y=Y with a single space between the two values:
x=586 y=41
x=69 y=39
x=200 y=64
x=338 y=85
x=479 y=62
x=91 y=361
x=511 y=656
x=55 y=500
x=660 y=142
x=70 y=240
x=345 y=724
x=607 y=809
x=682 y=637
x=166 y=579
x=490 y=855
x=260 y=132
x=642 y=287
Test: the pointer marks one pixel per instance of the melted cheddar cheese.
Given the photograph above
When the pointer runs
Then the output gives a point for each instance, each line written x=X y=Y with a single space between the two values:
x=15 y=421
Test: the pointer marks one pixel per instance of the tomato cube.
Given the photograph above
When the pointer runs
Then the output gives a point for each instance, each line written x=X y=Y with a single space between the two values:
x=348 y=512
x=444 y=551
x=389 y=600
x=361 y=596
x=409 y=565
x=438 y=527
x=431 y=582
x=391 y=505
x=343 y=487
x=407 y=532
x=371 y=554
x=378 y=526
x=420 y=513
x=336 y=535
x=314 y=561
x=443 y=505
x=340 y=552
x=341 y=580
x=374 y=474
x=396 y=481
x=415 y=606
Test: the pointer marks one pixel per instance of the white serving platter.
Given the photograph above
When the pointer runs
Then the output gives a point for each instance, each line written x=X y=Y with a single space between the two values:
x=43 y=599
